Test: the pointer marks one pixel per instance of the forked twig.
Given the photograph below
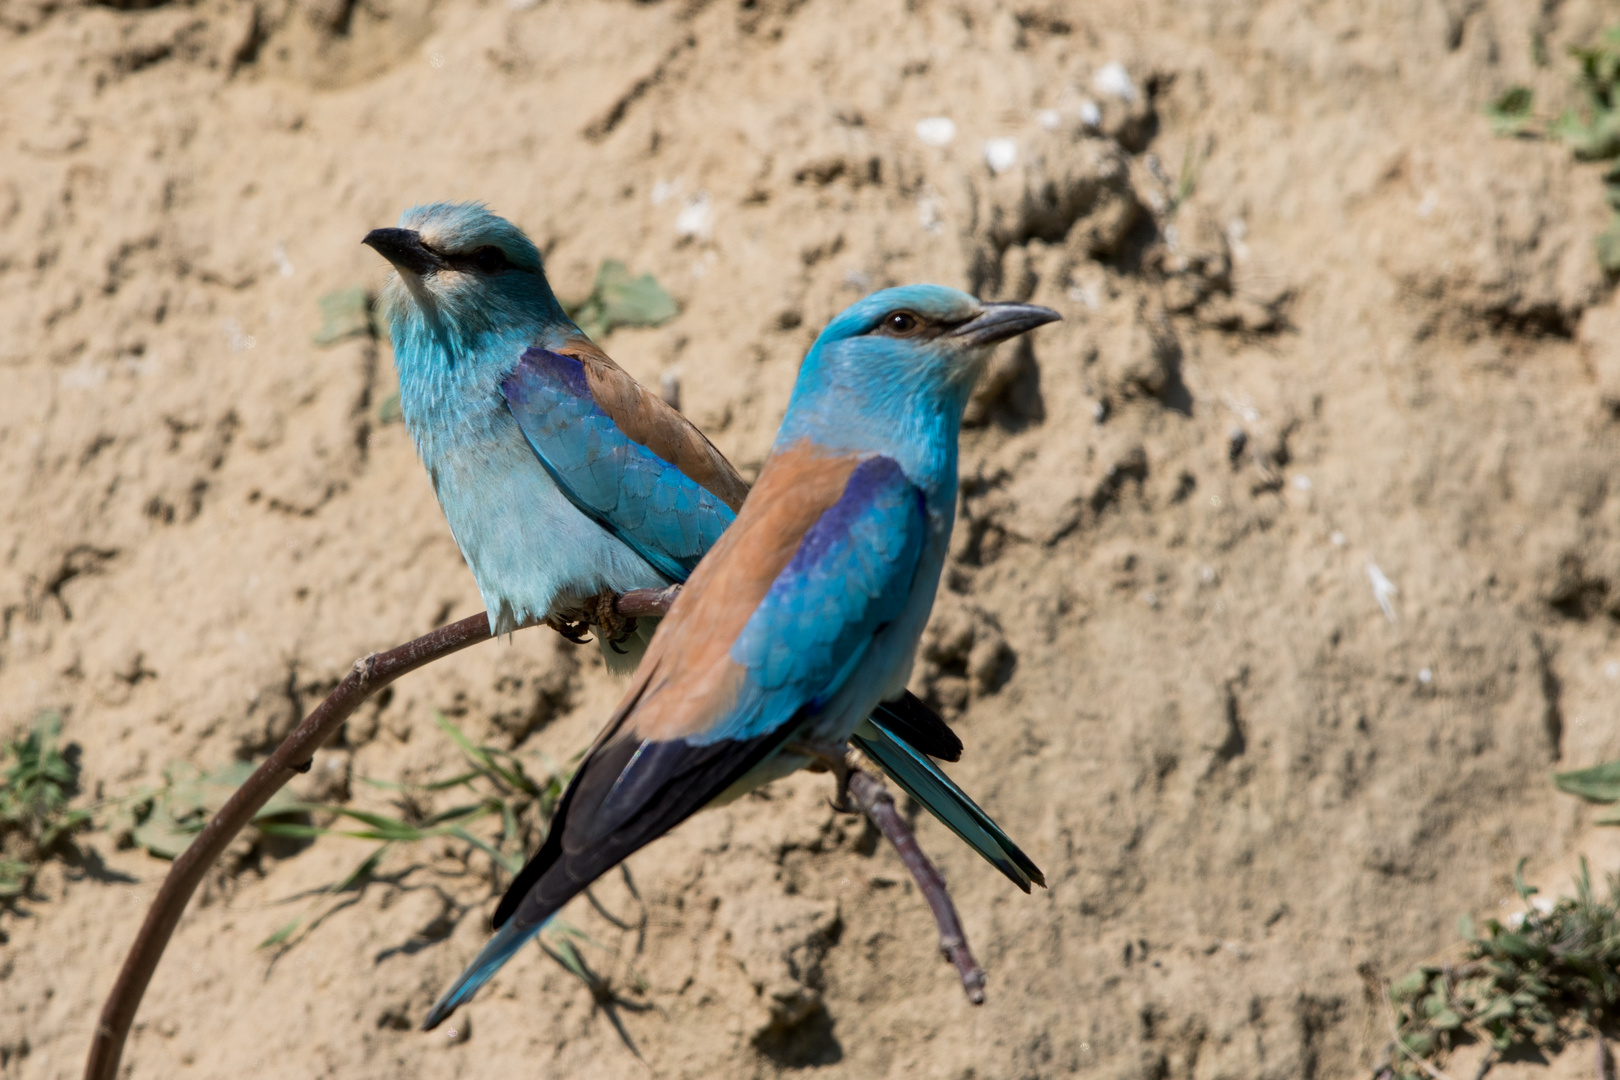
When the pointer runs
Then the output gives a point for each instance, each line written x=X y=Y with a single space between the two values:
x=368 y=675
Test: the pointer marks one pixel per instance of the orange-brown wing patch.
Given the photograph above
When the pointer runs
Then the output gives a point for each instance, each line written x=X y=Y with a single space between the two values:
x=688 y=680
x=648 y=420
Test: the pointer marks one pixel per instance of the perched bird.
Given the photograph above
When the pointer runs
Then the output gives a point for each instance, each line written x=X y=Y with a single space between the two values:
x=565 y=482
x=802 y=618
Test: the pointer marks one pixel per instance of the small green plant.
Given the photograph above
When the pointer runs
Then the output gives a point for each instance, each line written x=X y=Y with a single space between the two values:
x=1592 y=131
x=36 y=785
x=496 y=780
x=1541 y=978
x=165 y=820
x=1599 y=784
x=617 y=299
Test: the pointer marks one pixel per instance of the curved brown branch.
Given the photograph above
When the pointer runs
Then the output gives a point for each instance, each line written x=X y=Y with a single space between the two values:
x=370 y=674
x=875 y=799
x=293 y=756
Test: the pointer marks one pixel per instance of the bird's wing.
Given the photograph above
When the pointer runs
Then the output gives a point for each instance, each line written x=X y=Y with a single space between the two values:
x=773 y=622
x=647 y=475
x=622 y=456
x=923 y=781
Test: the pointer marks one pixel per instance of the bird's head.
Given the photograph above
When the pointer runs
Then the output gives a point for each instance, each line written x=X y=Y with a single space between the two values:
x=462 y=272
x=906 y=353
x=936 y=332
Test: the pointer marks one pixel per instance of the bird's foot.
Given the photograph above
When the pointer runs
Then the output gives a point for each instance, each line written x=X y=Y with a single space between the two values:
x=605 y=615
x=824 y=757
x=574 y=629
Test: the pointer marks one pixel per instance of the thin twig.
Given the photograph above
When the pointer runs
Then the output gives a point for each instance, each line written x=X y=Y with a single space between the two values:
x=875 y=799
x=293 y=756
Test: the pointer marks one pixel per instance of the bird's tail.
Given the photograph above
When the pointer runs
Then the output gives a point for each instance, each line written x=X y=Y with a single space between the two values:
x=922 y=780
x=500 y=948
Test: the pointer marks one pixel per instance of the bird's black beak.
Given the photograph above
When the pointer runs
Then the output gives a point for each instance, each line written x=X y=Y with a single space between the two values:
x=404 y=248
x=998 y=322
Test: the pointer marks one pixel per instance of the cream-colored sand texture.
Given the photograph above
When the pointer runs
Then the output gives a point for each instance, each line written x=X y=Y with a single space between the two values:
x=1317 y=320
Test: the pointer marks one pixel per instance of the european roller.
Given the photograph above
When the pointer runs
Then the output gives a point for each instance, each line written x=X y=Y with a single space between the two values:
x=565 y=482
x=804 y=615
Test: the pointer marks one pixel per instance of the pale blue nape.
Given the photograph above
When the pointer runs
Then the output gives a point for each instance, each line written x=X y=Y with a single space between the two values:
x=454 y=341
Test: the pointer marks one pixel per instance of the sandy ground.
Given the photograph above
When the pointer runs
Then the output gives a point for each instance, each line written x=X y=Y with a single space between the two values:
x=1321 y=329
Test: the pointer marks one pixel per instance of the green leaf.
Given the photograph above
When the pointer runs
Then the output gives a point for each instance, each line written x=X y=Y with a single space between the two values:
x=389 y=411
x=1410 y=986
x=617 y=299
x=1525 y=891
x=164 y=837
x=1599 y=784
x=628 y=301
x=345 y=313
x=1446 y=1020
x=1516 y=946
x=1510 y=113
x=1418 y=1043
x=365 y=869
x=281 y=936
x=15 y=876
x=181 y=809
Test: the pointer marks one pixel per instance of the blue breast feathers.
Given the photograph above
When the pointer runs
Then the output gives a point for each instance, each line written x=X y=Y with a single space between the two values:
x=656 y=510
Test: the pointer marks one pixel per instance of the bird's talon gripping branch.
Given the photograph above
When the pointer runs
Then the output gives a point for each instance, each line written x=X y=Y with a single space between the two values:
x=615 y=627
x=572 y=629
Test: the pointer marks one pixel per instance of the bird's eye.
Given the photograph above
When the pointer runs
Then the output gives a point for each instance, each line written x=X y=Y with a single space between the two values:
x=488 y=259
x=900 y=323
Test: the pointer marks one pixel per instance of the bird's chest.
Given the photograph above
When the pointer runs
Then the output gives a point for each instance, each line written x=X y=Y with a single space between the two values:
x=530 y=550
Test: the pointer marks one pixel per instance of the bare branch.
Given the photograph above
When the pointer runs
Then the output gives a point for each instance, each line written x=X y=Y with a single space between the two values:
x=875 y=799
x=644 y=602
x=293 y=756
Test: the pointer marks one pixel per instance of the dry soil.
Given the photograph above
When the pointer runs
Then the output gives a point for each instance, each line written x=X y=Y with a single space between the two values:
x=1288 y=564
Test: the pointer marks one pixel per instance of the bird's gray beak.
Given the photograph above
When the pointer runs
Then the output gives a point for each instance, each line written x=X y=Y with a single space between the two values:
x=404 y=248
x=998 y=322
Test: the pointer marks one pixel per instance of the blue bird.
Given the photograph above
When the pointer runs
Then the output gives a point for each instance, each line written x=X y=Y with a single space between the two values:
x=565 y=482
x=801 y=620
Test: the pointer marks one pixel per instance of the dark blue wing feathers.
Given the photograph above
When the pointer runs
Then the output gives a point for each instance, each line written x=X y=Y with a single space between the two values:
x=656 y=510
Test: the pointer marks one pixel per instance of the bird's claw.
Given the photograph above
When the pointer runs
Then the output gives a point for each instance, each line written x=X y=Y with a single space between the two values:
x=599 y=613
x=574 y=629
x=614 y=627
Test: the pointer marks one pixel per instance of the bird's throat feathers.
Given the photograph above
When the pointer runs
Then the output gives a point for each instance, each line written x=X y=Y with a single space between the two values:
x=454 y=343
x=873 y=398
